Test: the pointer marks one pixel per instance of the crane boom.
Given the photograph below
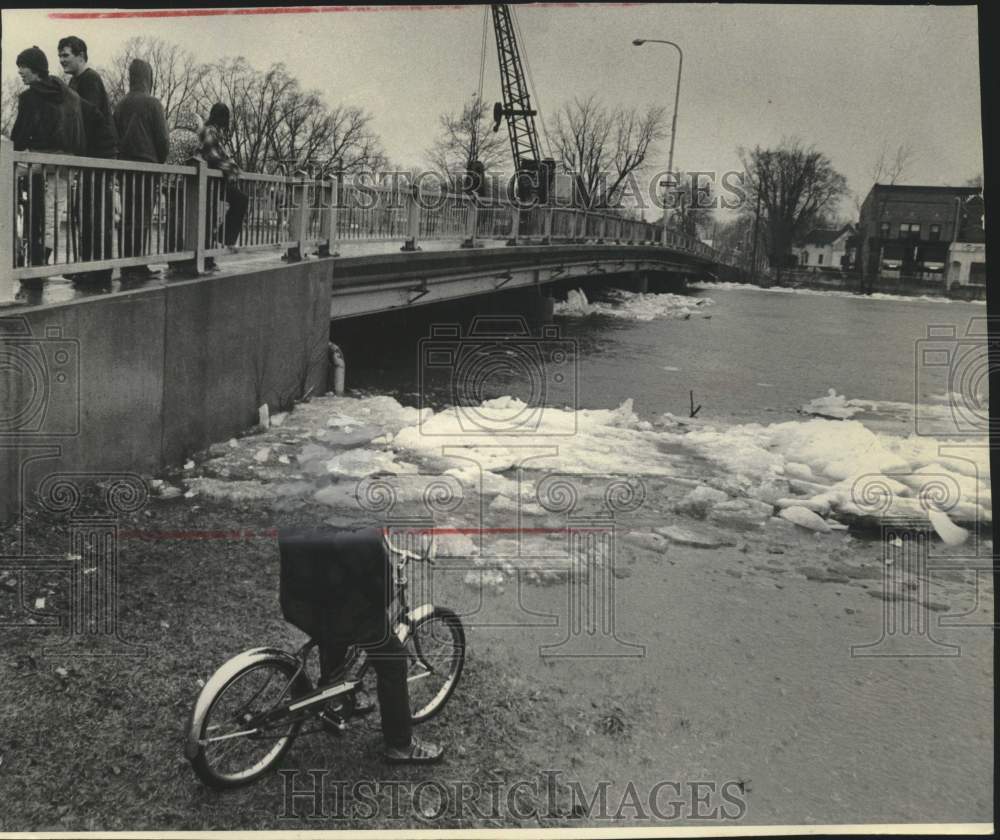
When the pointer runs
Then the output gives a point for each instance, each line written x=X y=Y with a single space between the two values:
x=516 y=105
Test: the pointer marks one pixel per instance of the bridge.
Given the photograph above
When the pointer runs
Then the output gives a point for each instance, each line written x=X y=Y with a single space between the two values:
x=136 y=376
x=379 y=238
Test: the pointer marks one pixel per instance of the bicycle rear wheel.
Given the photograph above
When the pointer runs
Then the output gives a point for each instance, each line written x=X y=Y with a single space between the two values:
x=436 y=654
x=235 y=746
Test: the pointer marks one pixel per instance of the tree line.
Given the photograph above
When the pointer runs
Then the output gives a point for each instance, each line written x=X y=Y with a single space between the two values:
x=275 y=123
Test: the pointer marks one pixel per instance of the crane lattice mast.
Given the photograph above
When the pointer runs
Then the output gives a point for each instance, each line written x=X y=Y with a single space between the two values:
x=516 y=104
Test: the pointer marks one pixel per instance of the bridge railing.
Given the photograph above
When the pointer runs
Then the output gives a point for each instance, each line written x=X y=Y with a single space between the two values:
x=69 y=215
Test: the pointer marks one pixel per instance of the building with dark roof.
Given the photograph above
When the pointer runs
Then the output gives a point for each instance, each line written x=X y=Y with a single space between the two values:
x=914 y=231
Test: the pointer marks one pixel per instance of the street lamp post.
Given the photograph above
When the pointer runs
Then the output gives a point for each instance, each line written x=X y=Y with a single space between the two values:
x=638 y=42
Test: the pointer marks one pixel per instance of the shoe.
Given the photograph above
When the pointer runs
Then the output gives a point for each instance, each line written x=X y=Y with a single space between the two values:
x=363 y=704
x=210 y=264
x=418 y=752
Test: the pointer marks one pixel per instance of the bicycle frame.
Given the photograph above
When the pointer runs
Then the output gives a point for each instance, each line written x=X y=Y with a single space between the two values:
x=289 y=712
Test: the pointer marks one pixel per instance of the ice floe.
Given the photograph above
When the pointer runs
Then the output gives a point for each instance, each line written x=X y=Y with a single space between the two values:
x=834 y=293
x=814 y=472
x=635 y=306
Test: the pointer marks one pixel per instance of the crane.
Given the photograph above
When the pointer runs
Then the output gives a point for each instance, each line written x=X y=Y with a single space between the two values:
x=534 y=175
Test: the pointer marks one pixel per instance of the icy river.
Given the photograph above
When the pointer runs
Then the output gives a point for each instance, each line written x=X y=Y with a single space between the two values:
x=748 y=565
x=821 y=408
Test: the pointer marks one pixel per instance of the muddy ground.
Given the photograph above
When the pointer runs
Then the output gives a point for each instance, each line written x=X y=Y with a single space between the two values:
x=729 y=665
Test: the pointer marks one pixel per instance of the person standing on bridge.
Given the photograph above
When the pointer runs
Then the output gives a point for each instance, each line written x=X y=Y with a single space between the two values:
x=214 y=148
x=142 y=128
x=95 y=203
x=49 y=119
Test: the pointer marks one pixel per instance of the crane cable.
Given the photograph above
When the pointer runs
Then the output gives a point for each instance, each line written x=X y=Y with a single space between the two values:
x=474 y=149
x=531 y=80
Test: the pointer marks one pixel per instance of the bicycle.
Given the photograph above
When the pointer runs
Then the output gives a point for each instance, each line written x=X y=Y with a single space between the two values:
x=253 y=708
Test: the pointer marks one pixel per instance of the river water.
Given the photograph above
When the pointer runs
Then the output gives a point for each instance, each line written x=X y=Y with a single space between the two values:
x=746 y=354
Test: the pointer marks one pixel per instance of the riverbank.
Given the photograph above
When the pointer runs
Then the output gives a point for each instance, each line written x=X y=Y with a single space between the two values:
x=738 y=657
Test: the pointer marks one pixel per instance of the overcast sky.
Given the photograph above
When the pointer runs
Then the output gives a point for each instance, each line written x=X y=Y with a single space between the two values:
x=844 y=78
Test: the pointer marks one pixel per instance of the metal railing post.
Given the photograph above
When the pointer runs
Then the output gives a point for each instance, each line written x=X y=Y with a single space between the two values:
x=8 y=187
x=196 y=217
x=329 y=248
x=298 y=222
x=515 y=224
x=547 y=230
x=471 y=224
x=604 y=228
x=413 y=220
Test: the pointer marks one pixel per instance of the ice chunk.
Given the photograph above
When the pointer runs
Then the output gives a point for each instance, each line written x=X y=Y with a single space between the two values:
x=950 y=533
x=793 y=469
x=699 y=501
x=832 y=405
x=685 y=536
x=741 y=513
x=359 y=463
x=804 y=518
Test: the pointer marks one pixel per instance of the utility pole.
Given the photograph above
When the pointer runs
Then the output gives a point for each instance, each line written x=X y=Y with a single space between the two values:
x=756 y=220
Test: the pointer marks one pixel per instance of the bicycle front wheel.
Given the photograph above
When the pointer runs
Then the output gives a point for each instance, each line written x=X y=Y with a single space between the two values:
x=435 y=653
x=235 y=746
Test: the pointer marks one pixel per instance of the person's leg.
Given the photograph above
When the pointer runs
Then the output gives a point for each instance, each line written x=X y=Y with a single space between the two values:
x=35 y=219
x=129 y=186
x=238 y=202
x=55 y=203
x=87 y=209
x=389 y=661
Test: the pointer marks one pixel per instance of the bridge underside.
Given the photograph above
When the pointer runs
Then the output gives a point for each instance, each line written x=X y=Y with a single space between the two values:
x=367 y=285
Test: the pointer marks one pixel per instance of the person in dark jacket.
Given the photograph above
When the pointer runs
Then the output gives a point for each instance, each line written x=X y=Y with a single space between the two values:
x=49 y=119
x=213 y=142
x=337 y=587
x=143 y=136
x=95 y=204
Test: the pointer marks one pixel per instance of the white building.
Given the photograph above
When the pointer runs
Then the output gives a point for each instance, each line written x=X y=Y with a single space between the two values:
x=824 y=248
x=966 y=264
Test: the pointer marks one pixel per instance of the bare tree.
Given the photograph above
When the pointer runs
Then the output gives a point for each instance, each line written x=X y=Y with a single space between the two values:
x=177 y=75
x=8 y=105
x=605 y=147
x=466 y=136
x=796 y=185
x=274 y=123
x=891 y=166
x=308 y=135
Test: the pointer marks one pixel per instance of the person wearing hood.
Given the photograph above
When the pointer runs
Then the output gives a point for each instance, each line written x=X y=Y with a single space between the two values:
x=49 y=119
x=142 y=136
x=213 y=142
x=95 y=203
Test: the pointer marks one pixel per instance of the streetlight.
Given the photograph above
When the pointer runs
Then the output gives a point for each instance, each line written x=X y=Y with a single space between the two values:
x=638 y=42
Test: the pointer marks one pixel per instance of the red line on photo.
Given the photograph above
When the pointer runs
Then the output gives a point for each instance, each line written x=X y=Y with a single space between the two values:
x=289 y=10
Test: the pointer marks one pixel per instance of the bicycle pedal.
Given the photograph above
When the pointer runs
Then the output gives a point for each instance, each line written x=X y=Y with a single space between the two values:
x=332 y=722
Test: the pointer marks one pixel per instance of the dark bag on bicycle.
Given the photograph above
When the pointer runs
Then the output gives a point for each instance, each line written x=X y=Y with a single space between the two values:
x=336 y=585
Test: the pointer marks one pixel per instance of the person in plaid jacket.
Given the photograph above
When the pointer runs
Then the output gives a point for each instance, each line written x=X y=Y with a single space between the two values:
x=213 y=139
